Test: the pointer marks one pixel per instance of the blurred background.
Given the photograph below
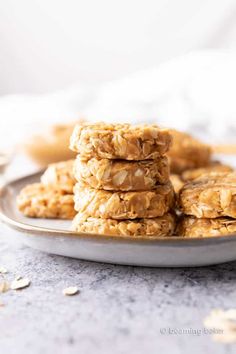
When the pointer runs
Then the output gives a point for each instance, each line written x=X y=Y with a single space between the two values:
x=163 y=61
x=48 y=45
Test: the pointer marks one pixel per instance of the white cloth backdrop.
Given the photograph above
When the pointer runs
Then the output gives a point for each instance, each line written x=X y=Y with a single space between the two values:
x=49 y=44
x=125 y=60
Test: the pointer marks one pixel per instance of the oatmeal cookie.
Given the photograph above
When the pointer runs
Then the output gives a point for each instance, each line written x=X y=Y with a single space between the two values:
x=51 y=145
x=40 y=201
x=157 y=227
x=60 y=175
x=214 y=167
x=190 y=226
x=210 y=196
x=187 y=153
x=121 y=174
x=177 y=182
x=124 y=205
x=120 y=141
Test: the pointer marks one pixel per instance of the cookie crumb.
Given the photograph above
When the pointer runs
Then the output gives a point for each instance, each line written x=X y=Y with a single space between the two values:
x=71 y=290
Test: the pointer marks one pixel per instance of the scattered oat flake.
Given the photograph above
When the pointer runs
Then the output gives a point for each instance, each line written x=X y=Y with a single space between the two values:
x=1 y=304
x=71 y=290
x=20 y=283
x=3 y=270
x=4 y=287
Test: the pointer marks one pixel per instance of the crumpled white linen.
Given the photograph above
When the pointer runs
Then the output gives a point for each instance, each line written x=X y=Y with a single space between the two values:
x=195 y=92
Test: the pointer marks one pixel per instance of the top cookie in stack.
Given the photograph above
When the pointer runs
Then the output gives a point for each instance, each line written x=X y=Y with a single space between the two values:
x=120 y=141
x=123 y=180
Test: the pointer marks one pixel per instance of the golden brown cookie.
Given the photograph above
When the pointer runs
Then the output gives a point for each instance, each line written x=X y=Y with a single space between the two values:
x=60 y=175
x=210 y=196
x=40 y=201
x=177 y=182
x=156 y=227
x=121 y=174
x=120 y=141
x=214 y=167
x=187 y=153
x=124 y=205
x=190 y=226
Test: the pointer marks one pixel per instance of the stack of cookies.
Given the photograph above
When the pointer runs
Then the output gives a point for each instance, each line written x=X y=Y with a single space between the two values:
x=210 y=203
x=123 y=183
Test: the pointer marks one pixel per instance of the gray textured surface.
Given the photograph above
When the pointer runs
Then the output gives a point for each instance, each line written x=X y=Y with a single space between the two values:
x=119 y=309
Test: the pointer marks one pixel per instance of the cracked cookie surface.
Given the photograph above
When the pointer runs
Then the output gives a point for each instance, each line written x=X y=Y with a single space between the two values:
x=124 y=205
x=156 y=227
x=120 y=141
x=120 y=174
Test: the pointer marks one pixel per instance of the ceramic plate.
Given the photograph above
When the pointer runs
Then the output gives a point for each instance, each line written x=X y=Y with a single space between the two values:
x=54 y=236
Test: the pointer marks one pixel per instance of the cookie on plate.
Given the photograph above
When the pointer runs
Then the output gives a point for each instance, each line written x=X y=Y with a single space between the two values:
x=210 y=196
x=40 y=201
x=60 y=175
x=187 y=153
x=121 y=174
x=190 y=226
x=120 y=141
x=124 y=205
x=214 y=167
x=156 y=227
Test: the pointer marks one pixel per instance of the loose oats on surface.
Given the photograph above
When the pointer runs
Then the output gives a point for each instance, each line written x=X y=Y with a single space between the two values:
x=20 y=283
x=3 y=270
x=71 y=290
x=4 y=287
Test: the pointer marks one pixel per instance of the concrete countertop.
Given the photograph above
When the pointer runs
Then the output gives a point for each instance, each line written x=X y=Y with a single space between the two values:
x=119 y=309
